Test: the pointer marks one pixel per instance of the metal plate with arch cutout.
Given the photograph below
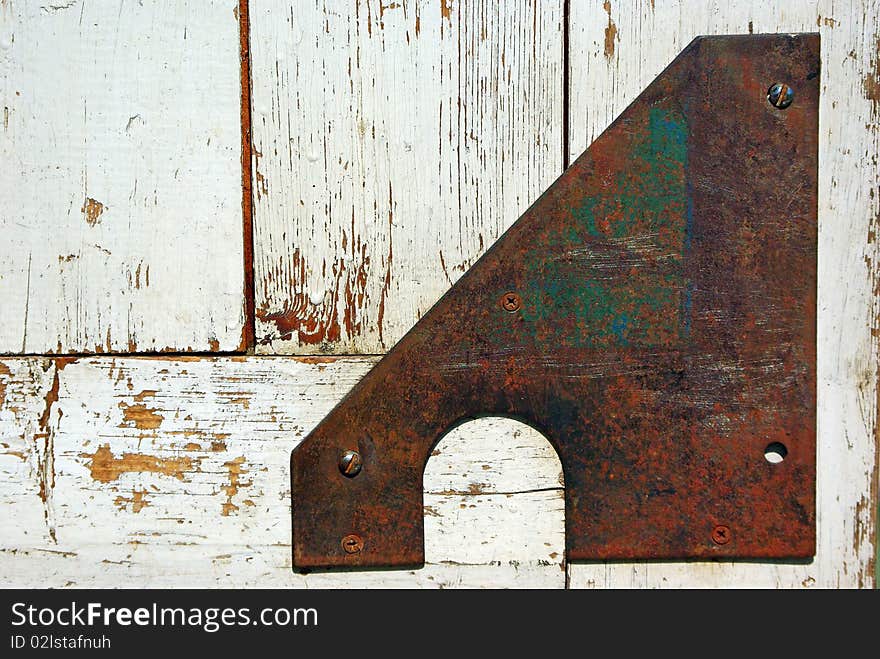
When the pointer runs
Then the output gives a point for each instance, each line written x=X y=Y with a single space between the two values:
x=652 y=314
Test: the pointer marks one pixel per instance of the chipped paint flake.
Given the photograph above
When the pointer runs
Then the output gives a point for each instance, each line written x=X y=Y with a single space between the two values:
x=341 y=264
x=610 y=31
x=138 y=501
x=236 y=469
x=100 y=166
x=92 y=209
x=871 y=81
x=5 y=376
x=105 y=467
x=140 y=416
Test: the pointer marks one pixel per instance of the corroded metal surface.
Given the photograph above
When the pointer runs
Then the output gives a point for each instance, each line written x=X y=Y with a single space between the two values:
x=652 y=314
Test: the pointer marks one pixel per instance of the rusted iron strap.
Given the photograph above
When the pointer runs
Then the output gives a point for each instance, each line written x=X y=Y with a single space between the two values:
x=652 y=314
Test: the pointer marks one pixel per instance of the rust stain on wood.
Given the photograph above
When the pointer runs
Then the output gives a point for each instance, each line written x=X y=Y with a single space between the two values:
x=315 y=324
x=247 y=206
x=872 y=533
x=5 y=376
x=355 y=292
x=871 y=82
x=45 y=460
x=105 y=467
x=874 y=495
x=610 y=31
x=863 y=534
x=446 y=9
x=46 y=457
x=236 y=469
x=386 y=284
x=51 y=398
x=92 y=209
x=143 y=417
x=138 y=501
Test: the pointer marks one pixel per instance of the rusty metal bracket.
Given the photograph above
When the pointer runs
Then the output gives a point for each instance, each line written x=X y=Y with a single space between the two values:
x=652 y=314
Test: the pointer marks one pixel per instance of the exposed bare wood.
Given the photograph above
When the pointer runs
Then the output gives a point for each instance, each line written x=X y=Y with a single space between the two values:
x=198 y=478
x=393 y=143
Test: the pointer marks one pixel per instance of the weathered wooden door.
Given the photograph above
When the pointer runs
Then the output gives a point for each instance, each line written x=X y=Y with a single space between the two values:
x=216 y=216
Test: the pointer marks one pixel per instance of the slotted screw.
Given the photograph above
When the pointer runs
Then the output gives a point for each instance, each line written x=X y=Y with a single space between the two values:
x=350 y=463
x=780 y=95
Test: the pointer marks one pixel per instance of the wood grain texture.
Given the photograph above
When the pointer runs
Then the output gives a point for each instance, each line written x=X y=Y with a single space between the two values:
x=120 y=202
x=393 y=143
x=616 y=48
x=145 y=464
x=26 y=453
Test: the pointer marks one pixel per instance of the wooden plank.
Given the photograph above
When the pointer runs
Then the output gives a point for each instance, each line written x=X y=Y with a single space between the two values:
x=185 y=463
x=393 y=143
x=616 y=48
x=120 y=203
x=26 y=453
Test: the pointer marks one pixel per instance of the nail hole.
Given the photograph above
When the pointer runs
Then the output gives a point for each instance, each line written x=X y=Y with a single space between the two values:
x=775 y=452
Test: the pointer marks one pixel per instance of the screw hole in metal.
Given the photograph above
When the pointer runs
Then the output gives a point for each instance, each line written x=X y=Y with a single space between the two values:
x=780 y=95
x=775 y=452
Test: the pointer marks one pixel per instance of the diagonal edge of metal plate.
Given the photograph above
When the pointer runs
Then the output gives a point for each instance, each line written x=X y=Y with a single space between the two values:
x=652 y=314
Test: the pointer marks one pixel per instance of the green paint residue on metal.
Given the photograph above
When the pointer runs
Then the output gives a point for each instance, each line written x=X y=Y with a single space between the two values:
x=660 y=197
x=641 y=223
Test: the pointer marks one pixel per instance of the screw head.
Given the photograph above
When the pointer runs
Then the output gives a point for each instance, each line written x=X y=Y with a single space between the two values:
x=511 y=301
x=350 y=463
x=780 y=95
x=721 y=534
x=352 y=544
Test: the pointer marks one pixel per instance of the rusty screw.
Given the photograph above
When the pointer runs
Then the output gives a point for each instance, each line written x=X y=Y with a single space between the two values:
x=350 y=463
x=511 y=302
x=721 y=534
x=352 y=544
x=780 y=95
